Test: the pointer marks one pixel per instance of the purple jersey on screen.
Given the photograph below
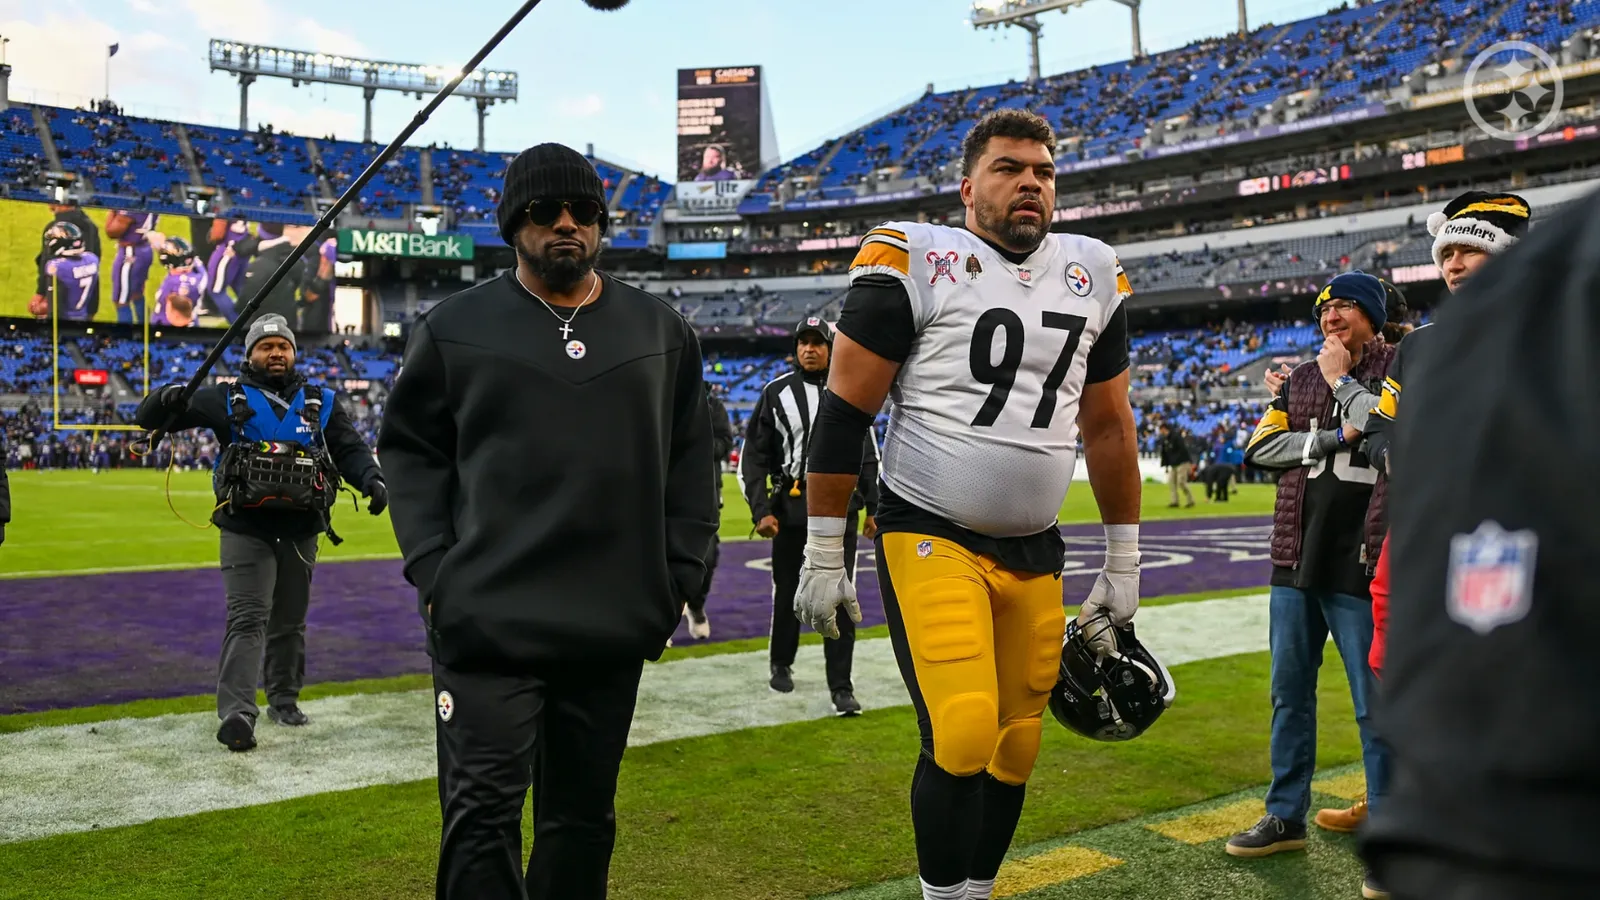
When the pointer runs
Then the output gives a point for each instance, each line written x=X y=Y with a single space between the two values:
x=137 y=233
x=189 y=283
x=73 y=278
x=130 y=268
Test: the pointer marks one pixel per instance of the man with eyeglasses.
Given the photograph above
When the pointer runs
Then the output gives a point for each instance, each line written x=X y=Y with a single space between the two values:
x=1327 y=528
x=549 y=444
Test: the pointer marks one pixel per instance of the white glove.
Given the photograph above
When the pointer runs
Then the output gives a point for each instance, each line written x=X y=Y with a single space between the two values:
x=824 y=585
x=1115 y=594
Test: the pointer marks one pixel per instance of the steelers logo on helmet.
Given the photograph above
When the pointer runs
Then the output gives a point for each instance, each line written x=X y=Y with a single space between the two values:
x=1115 y=698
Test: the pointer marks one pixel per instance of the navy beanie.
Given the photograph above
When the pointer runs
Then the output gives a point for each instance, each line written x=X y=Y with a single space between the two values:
x=1364 y=290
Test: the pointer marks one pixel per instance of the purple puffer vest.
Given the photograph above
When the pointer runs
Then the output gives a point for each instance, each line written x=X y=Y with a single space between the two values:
x=1310 y=396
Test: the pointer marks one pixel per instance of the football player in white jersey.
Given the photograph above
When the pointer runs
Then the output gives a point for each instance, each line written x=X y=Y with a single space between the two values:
x=996 y=344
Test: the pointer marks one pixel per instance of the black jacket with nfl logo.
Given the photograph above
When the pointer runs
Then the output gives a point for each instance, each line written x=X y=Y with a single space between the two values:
x=1489 y=690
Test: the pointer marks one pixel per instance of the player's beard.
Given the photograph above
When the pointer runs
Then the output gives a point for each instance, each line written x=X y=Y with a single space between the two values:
x=559 y=272
x=1017 y=236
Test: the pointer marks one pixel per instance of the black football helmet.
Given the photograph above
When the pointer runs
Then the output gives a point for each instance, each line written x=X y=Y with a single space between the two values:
x=1116 y=698
x=63 y=239
x=176 y=252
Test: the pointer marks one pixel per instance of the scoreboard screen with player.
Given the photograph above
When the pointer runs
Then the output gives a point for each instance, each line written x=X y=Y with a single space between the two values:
x=719 y=124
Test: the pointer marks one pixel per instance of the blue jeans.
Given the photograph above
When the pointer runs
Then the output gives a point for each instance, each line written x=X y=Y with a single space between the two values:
x=1300 y=624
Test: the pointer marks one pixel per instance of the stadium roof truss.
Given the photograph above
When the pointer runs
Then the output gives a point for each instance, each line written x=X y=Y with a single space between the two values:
x=250 y=61
x=1024 y=14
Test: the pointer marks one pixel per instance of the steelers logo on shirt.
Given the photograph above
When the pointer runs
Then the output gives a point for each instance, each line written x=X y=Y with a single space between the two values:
x=576 y=349
x=447 y=705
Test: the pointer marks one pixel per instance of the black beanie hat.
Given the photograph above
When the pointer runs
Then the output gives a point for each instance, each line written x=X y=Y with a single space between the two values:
x=547 y=171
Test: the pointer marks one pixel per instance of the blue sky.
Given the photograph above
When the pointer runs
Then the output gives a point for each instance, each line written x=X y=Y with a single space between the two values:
x=587 y=77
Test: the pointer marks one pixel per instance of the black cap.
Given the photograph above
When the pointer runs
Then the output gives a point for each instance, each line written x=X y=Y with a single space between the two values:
x=547 y=171
x=814 y=324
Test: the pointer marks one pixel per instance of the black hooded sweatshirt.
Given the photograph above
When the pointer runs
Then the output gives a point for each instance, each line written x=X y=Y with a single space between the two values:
x=553 y=494
x=209 y=408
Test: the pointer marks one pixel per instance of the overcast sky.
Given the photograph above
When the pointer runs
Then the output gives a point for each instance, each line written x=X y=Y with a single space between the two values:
x=586 y=77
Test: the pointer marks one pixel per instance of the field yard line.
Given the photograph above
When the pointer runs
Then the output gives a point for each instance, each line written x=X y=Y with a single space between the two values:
x=82 y=777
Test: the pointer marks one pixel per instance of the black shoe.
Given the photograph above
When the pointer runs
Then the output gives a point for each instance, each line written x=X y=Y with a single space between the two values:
x=287 y=714
x=238 y=732
x=782 y=681
x=1266 y=837
x=844 y=703
x=1372 y=889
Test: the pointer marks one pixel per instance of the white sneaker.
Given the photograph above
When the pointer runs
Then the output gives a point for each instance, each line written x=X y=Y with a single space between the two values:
x=699 y=627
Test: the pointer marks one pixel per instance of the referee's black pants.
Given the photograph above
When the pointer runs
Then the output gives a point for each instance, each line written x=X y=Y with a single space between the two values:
x=561 y=732
x=788 y=552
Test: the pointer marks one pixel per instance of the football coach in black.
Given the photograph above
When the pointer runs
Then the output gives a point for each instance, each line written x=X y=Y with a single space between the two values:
x=548 y=446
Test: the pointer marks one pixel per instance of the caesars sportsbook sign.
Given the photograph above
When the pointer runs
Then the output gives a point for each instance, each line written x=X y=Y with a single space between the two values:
x=411 y=244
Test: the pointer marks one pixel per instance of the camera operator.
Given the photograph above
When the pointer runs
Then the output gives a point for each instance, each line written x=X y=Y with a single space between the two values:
x=286 y=447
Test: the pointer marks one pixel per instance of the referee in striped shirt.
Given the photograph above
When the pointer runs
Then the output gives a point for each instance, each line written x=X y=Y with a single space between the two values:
x=772 y=469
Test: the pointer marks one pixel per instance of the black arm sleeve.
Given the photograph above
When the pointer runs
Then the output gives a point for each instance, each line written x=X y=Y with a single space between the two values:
x=691 y=495
x=417 y=442
x=868 y=482
x=756 y=459
x=1108 y=358
x=350 y=453
x=877 y=315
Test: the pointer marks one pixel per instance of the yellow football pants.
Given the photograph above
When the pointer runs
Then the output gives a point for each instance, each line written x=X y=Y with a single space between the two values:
x=979 y=647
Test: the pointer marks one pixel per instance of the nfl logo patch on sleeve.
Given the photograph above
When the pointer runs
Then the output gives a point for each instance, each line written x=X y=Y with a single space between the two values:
x=1490 y=580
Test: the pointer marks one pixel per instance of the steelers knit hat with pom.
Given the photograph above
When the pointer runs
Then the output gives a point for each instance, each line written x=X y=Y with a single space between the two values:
x=546 y=172
x=1491 y=222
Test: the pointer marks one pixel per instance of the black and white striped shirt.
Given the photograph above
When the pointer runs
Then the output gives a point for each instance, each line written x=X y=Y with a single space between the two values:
x=778 y=436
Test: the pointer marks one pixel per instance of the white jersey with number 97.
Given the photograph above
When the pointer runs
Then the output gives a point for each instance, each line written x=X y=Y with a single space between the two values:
x=983 y=414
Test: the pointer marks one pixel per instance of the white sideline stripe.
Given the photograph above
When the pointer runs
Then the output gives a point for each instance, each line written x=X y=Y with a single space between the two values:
x=73 y=778
x=173 y=567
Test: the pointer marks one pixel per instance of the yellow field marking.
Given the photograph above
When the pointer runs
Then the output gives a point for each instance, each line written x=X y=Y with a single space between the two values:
x=1211 y=824
x=1351 y=786
x=1052 y=867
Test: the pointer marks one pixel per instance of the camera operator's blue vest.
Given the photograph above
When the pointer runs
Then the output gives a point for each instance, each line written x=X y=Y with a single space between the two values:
x=274 y=462
x=264 y=424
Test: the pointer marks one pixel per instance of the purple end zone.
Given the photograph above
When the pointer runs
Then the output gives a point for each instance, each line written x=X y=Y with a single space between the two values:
x=84 y=640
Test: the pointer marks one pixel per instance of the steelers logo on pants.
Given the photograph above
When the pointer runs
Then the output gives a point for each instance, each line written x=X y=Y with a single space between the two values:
x=447 y=705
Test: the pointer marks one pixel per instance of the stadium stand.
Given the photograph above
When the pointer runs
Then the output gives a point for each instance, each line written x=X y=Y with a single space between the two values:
x=21 y=152
x=258 y=169
x=129 y=161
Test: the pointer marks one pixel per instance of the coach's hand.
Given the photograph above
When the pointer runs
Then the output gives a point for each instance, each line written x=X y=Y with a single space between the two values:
x=824 y=584
x=377 y=497
x=767 y=527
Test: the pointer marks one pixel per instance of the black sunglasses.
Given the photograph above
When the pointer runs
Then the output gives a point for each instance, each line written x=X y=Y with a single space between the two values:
x=544 y=213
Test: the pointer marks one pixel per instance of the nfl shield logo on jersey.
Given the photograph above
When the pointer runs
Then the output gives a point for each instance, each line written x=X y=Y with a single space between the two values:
x=924 y=549
x=1491 y=576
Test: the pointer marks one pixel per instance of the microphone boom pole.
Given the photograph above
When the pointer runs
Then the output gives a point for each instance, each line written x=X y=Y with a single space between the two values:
x=332 y=214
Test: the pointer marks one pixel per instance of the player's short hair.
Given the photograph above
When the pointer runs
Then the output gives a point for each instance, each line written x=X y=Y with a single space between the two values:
x=1005 y=123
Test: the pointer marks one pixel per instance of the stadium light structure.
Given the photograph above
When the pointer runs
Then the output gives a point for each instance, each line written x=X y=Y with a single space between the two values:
x=251 y=61
x=1024 y=14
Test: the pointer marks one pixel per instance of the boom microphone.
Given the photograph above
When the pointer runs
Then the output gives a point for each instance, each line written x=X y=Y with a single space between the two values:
x=350 y=193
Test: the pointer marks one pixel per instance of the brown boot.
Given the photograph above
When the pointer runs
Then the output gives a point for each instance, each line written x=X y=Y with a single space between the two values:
x=1344 y=821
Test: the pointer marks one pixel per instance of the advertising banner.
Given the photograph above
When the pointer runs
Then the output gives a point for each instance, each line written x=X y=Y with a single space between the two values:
x=719 y=124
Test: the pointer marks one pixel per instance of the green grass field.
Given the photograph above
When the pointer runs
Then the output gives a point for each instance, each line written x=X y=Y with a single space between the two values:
x=795 y=811
x=810 y=809
x=68 y=522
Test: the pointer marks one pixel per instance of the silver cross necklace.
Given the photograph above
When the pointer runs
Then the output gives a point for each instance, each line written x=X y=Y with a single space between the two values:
x=566 y=324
